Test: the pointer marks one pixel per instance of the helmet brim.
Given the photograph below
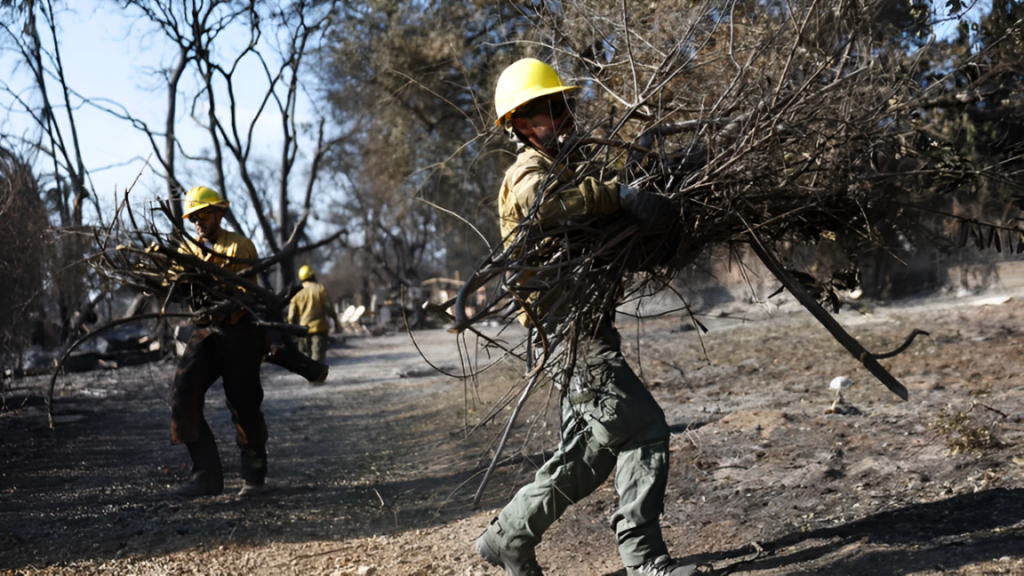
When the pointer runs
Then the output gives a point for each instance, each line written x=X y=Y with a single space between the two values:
x=529 y=96
x=200 y=205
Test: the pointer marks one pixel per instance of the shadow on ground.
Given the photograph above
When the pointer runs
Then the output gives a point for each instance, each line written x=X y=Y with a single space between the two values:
x=344 y=463
x=942 y=535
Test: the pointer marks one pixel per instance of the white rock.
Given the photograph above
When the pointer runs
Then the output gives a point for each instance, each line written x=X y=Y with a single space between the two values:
x=840 y=383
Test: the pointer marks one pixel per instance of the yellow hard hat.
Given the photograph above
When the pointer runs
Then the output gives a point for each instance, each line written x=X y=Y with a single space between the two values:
x=200 y=197
x=305 y=273
x=523 y=81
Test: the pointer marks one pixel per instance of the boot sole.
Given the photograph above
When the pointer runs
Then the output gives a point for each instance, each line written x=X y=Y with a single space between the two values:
x=252 y=491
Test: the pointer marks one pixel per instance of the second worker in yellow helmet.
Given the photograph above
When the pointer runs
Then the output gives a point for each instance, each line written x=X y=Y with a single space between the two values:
x=227 y=346
x=311 y=307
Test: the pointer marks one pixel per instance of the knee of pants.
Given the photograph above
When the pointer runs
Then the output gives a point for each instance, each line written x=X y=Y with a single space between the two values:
x=186 y=414
x=250 y=430
x=641 y=479
x=185 y=425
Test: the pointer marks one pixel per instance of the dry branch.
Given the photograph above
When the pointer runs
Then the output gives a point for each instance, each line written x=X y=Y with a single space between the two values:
x=767 y=131
x=149 y=260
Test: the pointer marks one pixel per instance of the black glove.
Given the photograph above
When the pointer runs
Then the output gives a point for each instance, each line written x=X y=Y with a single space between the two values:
x=653 y=209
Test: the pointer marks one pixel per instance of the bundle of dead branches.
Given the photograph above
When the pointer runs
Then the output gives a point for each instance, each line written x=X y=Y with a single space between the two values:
x=152 y=261
x=768 y=128
x=149 y=259
x=765 y=131
x=780 y=131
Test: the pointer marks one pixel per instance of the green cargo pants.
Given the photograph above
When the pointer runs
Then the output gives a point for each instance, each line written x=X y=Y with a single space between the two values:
x=620 y=426
x=315 y=345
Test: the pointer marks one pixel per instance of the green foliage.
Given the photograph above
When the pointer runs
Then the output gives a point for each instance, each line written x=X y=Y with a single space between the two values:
x=413 y=78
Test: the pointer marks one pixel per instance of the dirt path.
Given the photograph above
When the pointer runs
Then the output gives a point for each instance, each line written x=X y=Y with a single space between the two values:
x=371 y=471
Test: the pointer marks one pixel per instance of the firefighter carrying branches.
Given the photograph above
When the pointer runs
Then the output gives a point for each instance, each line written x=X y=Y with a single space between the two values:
x=609 y=420
x=229 y=345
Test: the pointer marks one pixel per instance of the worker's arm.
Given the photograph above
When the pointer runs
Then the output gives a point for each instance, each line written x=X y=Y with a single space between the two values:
x=176 y=269
x=558 y=202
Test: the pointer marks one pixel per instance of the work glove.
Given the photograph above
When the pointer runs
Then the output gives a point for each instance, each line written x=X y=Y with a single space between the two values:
x=653 y=209
x=627 y=197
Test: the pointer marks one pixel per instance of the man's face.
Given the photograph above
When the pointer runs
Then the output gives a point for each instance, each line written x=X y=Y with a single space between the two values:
x=207 y=222
x=544 y=120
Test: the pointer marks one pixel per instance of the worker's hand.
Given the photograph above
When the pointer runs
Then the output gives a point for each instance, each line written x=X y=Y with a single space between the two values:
x=627 y=197
x=647 y=206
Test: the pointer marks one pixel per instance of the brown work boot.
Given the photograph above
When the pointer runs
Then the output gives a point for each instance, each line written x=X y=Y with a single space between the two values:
x=207 y=477
x=202 y=483
x=663 y=565
x=513 y=565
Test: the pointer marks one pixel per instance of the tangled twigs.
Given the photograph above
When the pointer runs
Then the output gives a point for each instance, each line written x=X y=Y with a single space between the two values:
x=799 y=129
x=146 y=259
x=527 y=390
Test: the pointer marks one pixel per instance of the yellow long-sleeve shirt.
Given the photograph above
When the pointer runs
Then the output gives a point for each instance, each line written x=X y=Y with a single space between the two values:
x=535 y=177
x=232 y=245
x=311 y=307
x=535 y=174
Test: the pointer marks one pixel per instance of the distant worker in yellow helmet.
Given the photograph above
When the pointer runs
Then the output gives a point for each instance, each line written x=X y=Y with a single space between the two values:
x=311 y=307
x=610 y=422
x=229 y=346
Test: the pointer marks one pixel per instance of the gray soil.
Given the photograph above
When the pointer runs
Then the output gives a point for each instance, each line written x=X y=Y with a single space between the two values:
x=372 y=472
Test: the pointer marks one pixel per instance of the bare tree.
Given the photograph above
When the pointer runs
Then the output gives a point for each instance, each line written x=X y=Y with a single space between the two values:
x=278 y=40
x=205 y=80
x=406 y=75
x=24 y=234
x=30 y=29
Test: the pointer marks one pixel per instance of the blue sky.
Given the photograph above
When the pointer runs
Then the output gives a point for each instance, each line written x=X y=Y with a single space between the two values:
x=113 y=58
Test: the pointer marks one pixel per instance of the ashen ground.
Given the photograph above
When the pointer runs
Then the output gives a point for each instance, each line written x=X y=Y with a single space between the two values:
x=372 y=473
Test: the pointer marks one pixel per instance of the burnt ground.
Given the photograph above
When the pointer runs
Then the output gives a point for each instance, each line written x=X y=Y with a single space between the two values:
x=372 y=473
